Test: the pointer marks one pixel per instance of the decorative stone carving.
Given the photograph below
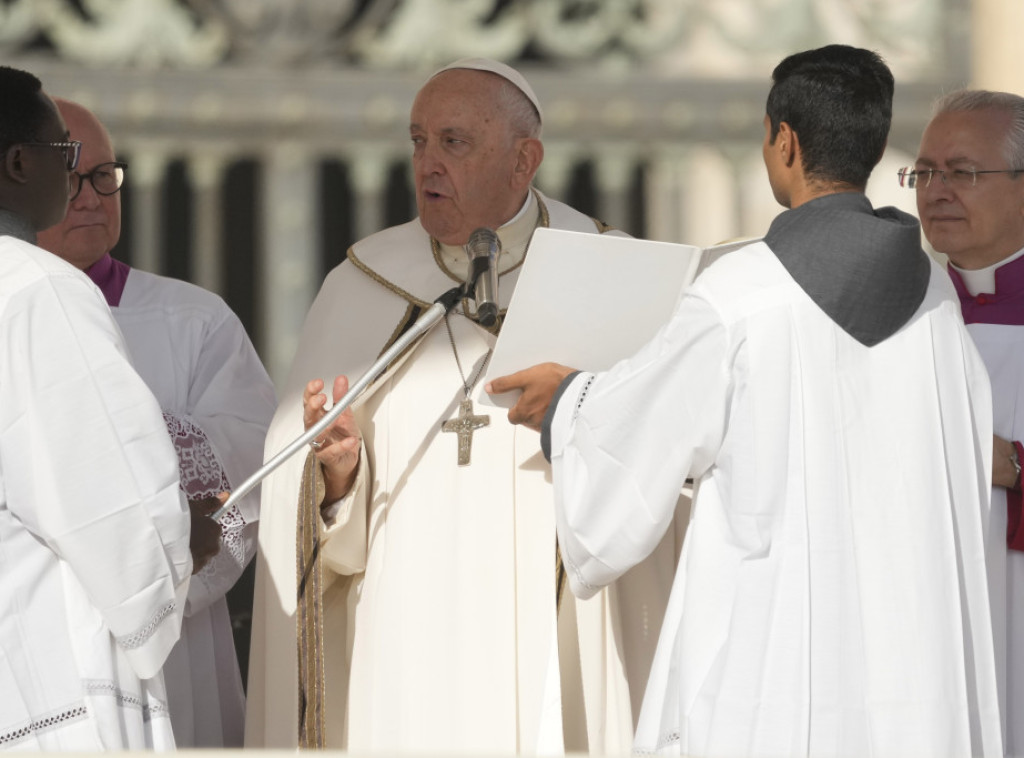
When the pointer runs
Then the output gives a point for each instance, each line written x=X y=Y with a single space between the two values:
x=146 y=33
x=682 y=37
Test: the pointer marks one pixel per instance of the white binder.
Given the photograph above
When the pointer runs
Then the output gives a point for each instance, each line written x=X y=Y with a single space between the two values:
x=589 y=300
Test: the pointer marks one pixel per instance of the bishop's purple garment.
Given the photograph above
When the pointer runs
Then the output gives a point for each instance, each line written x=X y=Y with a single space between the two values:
x=1004 y=306
x=110 y=275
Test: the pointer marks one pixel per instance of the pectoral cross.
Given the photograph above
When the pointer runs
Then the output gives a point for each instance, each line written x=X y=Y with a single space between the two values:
x=463 y=426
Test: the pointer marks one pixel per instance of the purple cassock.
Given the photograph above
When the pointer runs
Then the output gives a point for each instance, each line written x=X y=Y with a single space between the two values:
x=110 y=275
x=1005 y=306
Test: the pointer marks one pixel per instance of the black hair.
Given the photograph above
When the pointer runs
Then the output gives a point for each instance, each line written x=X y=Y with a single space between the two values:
x=23 y=112
x=838 y=101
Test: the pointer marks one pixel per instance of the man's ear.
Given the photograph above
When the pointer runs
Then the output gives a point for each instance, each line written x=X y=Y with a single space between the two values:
x=14 y=164
x=528 y=158
x=787 y=143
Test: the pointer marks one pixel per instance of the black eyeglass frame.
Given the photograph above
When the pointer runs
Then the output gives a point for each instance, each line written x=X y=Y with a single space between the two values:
x=70 y=158
x=79 y=179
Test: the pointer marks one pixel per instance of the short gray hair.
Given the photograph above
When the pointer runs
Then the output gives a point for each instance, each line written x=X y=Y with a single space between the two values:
x=523 y=118
x=980 y=100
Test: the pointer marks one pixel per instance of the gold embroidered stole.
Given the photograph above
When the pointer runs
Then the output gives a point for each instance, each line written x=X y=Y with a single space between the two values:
x=309 y=608
x=559 y=577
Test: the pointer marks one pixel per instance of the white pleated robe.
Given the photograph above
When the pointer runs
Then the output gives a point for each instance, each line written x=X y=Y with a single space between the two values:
x=1001 y=347
x=94 y=557
x=194 y=355
x=831 y=599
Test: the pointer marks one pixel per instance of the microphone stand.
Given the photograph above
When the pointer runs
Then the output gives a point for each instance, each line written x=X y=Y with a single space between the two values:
x=424 y=324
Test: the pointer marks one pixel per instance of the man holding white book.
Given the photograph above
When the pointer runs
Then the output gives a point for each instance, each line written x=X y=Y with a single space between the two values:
x=820 y=387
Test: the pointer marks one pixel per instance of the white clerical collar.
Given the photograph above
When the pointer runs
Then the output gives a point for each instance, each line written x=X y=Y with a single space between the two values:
x=981 y=280
x=522 y=211
x=514 y=235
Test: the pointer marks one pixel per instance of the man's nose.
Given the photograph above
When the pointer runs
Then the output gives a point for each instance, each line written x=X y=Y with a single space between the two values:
x=429 y=159
x=87 y=196
x=938 y=188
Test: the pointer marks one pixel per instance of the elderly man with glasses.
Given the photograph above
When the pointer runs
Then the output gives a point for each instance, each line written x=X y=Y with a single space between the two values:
x=970 y=197
x=217 y=401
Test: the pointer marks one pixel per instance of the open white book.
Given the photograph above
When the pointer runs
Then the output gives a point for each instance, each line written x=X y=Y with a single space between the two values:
x=589 y=300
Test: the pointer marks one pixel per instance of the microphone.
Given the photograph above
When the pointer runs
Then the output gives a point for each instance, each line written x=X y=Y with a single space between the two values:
x=483 y=274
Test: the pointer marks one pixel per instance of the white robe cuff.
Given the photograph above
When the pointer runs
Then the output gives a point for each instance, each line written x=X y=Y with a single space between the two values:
x=558 y=424
x=343 y=531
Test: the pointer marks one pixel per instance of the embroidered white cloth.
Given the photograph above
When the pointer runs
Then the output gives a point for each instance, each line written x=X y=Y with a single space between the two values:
x=217 y=400
x=94 y=559
x=831 y=598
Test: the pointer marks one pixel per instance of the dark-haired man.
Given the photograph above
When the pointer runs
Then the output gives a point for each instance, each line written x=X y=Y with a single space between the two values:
x=820 y=387
x=94 y=535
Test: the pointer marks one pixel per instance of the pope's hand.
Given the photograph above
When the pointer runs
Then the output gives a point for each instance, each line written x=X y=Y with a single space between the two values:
x=338 y=448
x=538 y=385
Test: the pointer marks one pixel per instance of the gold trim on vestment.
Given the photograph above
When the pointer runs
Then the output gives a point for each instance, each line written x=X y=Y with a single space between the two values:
x=412 y=313
x=385 y=282
x=544 y=219
x=560 y=577
x=309 y=608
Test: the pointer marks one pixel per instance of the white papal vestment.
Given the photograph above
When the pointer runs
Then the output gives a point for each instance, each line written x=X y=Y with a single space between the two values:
x=831 y=598
x=217 y=400
x=441 y=604
x=93 y=530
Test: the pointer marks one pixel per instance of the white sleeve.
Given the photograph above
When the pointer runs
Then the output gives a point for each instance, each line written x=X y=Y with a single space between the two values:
x=88 y=466
x=202 y=476
x=623 y=443
x=343 y=535
x=231 y=399
x=229 y=405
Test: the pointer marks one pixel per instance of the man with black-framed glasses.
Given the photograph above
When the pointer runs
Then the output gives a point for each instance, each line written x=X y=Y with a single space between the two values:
x=94 y=535
x=217 y=400
x=975 y=216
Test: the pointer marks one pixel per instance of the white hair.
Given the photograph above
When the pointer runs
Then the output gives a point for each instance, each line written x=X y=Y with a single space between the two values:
x=980 y=100
x=523 y=119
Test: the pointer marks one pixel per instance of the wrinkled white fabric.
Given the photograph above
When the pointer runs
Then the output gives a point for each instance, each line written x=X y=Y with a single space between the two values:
x=1001 y=346
x=94 y=558
x=217 y=400
x=831 y=598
